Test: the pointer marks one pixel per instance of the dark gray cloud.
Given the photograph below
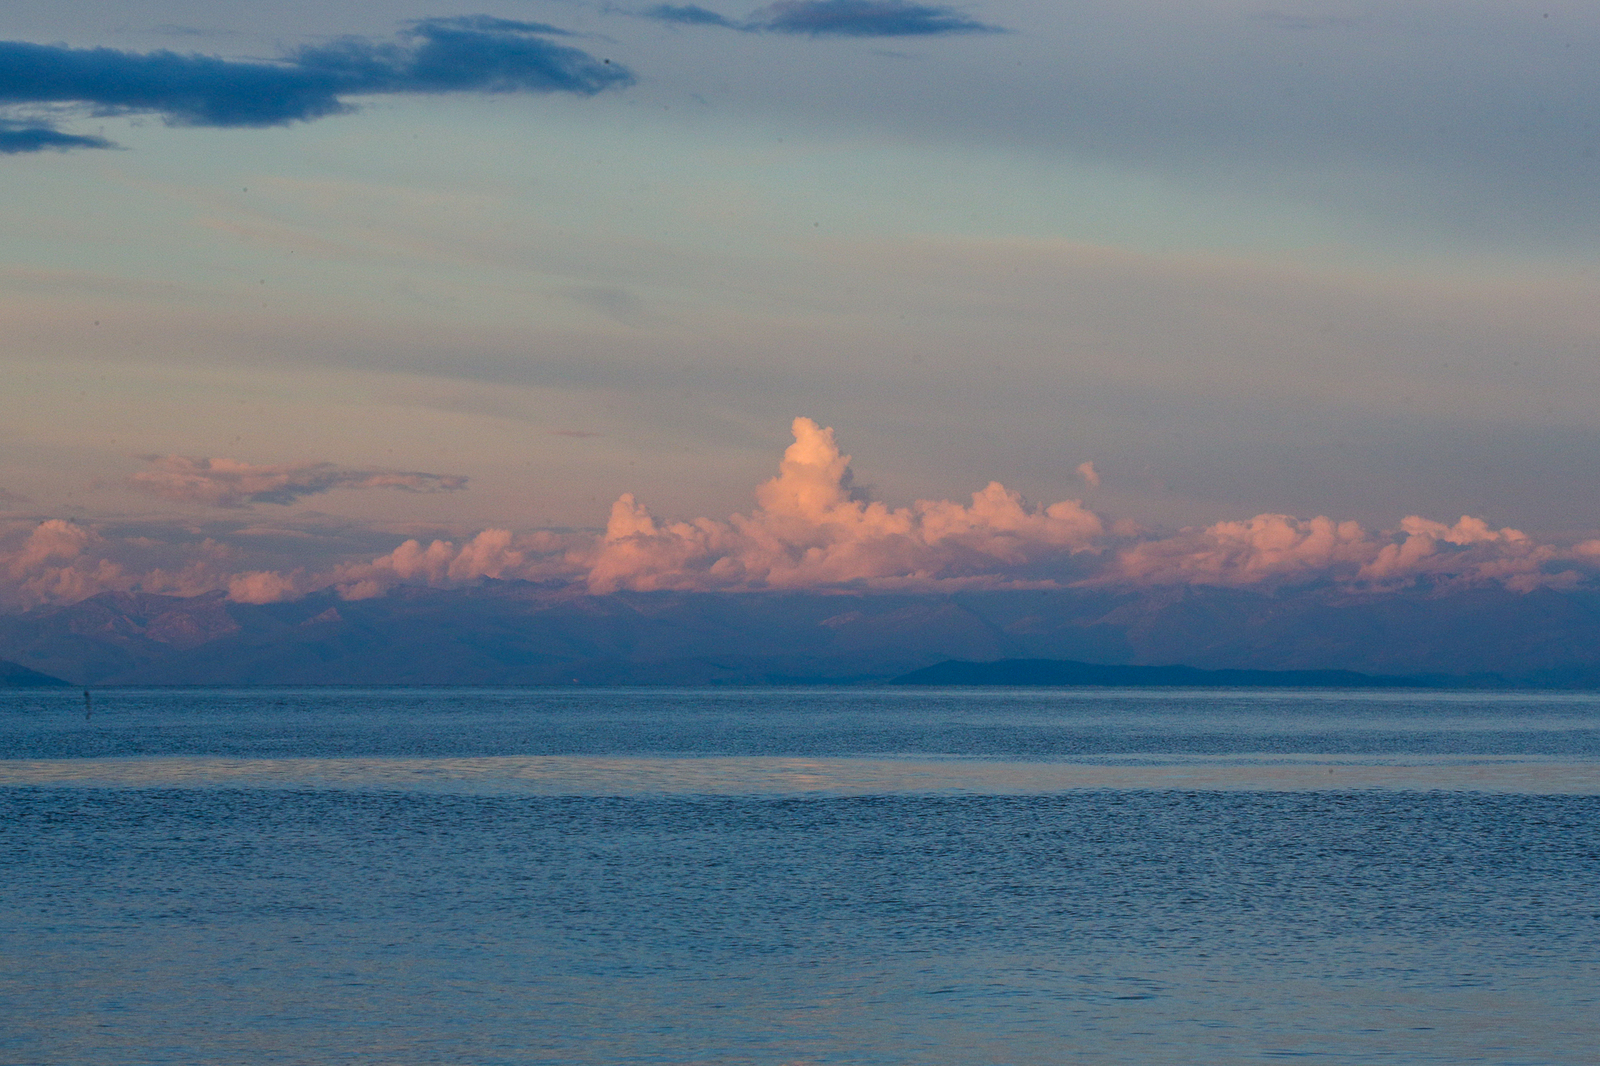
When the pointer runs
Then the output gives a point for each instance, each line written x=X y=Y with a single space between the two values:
x=690 y=15
x=16 y=138
x=439 y=55
x=832 y=18
x=865 y=18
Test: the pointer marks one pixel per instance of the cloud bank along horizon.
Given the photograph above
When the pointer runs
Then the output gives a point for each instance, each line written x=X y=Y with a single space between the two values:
x=811 y=528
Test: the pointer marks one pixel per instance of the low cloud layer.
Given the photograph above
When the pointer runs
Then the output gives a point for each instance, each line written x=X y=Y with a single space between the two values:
x=811 y=528
x=230 y=483
x=832 y=18
x=57 y=561
x=473 y=53
x=1275 y=549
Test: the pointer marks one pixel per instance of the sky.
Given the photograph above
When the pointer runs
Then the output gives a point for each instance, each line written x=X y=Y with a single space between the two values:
x=855 y=293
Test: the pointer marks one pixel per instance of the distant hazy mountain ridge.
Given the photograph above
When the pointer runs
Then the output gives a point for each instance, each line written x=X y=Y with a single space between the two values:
x=1065 y=672
x=519 y=633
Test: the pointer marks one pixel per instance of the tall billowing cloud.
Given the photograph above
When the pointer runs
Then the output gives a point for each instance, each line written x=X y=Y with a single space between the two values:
x=230 y=483
x=833 y=18
x=690 y=15
x=439 y=55
x=811 y=528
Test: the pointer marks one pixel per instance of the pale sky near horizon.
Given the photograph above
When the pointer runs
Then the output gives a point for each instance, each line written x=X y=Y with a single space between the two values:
x=1301 y=258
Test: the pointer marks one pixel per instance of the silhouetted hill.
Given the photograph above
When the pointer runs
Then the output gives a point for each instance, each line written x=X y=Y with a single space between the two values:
x=518 y=633
x=14 y=676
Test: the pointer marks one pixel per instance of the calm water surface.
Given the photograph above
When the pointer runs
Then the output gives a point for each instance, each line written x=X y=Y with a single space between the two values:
x=779 y=877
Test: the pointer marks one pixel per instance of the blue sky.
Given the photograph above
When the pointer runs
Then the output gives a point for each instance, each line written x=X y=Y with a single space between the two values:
x=1246 y=258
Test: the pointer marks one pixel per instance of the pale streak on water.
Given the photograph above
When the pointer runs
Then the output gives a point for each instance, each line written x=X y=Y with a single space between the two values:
x=569 y=775
x=771 y=877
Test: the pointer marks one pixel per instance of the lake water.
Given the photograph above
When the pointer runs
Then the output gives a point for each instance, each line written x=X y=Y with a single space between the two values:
x=797 y=877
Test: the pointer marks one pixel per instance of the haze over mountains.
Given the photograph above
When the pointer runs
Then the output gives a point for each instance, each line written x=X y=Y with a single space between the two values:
x=513 y=633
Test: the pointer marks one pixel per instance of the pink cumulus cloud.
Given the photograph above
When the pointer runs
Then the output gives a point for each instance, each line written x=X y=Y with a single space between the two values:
x=1281 y=549
x=810 y=528
x=269 y=586
x=57 y=561
x=493 y=553
x=231 y=483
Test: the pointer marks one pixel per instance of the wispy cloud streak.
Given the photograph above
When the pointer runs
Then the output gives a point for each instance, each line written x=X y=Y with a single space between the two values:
x=690 y=15
x=230 y=483
x=832 y=18
x=865 y=18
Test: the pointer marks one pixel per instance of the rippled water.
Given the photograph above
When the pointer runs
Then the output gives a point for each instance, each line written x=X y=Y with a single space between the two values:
x=454 y=876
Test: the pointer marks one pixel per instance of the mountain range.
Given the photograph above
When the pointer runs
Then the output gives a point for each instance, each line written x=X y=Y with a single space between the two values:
x=521 y=633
